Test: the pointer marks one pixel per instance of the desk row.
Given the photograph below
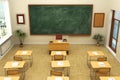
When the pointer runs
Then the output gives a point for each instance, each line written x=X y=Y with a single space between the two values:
x=22 y=61
x=99 y=66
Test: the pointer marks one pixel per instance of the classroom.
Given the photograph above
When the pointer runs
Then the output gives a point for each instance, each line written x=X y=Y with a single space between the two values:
x=59 y=40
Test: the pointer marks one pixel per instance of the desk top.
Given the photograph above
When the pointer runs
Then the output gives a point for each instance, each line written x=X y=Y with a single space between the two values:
x=14 y=64
x=58 y=53
x=9 y=78
x=63 y=63
x=95 y=53
x=59 y=41
x=100 y=64
x=57 y=78
x=23 y=52
x=110 y=78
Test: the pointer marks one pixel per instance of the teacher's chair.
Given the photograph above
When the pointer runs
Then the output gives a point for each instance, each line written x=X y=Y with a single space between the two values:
x=58 y=36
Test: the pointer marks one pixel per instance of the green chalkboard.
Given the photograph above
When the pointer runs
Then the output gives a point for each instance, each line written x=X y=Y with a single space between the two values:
x=60 y=19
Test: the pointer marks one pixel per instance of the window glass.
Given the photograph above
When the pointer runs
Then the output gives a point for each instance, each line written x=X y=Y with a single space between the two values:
x=117 y=15
x=113 y=43
x=115 y=31
x=5 y=25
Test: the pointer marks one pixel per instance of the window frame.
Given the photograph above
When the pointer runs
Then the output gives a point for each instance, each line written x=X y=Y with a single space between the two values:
x=112 y=30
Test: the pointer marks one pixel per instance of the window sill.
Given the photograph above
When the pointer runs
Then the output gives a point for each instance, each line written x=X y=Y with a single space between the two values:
x=5 y=38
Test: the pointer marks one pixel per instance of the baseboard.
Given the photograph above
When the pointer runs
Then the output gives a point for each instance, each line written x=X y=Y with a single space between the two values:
x=36 y=43
x=48 y=42
x=113 y=53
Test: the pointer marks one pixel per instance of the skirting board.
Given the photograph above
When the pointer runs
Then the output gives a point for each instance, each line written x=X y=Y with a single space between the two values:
x=112 y=53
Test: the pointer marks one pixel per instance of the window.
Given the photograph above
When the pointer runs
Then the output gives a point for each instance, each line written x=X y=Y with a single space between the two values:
x=5 y=25
x=114 y=30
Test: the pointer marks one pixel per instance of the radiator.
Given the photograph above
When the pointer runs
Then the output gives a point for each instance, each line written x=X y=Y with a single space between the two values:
x=5 y=46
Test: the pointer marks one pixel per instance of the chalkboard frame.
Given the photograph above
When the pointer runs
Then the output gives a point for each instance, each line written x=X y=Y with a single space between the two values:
x=61 y=5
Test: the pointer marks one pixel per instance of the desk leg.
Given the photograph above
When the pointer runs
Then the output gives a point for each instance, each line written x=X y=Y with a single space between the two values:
x=67 y=52
x=49 y=52
x=52 y=57
x=65 y=57
x=88 y=61
x=109 y=71
x=5 y=72
x=91 y=74
x=31 y=60
x=68 y=71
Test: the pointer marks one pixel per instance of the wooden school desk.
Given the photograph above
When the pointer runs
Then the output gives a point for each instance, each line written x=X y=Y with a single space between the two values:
x=26 y=55
x=14 y=65
x=58 y=53
x=58 y=45
x=9 y=77
x=58 y=78
x=93 y=54
x=110 y=78
x=61 y=64
x=97 y=65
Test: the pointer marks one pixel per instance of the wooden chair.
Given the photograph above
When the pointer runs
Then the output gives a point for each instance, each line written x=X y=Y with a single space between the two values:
x=58 y=36
x=58 y=57
x=102 y=58
x=15 y=73
x=17 y=58
x=102 y=72
x=55 y=73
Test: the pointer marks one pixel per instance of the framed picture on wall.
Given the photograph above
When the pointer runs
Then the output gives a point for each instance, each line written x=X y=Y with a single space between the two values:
x=99 y=19
x=20 y=19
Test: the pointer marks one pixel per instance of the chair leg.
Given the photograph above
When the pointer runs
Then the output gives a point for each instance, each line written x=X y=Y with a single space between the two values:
x=49 y=52
x=67 y=52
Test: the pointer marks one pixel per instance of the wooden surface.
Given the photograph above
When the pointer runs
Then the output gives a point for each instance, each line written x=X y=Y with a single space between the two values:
x=99 y=19
x=58 y=53
x=57 y=78
x=95 y=64
x=59 y=41
x=9 y=78
x=95 y=53
x=23 y=52
x=9 y=64
x=55 y=64
x=59 y=45
x=110 y=78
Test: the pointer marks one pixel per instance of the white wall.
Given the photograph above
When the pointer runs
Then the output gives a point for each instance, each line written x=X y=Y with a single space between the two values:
x=21 y=7
x=114 y=6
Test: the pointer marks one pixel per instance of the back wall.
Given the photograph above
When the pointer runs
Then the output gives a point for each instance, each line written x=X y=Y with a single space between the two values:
x=21 y=7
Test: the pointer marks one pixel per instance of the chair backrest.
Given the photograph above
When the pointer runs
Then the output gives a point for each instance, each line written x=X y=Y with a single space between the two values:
x=12 y=72
x=103 y=72
x=58 y=36
x=17 y=58
x=55 y=73
x=104 y=58
x=58 y=57
x=16 y=73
